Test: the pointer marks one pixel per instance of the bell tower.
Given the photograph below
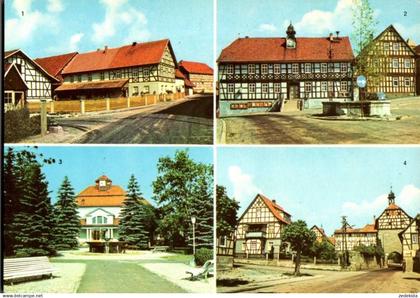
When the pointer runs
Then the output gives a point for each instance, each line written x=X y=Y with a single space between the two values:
x=391 y=197
x=290 y=39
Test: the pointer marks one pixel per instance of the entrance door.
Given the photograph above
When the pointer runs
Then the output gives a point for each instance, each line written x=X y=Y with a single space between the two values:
x=96 y=235
x=293 y=91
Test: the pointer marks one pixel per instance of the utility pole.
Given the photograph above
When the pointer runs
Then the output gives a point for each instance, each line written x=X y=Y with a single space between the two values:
x=344 y=229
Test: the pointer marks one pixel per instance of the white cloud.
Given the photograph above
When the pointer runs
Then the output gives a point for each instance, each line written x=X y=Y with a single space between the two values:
x=408 y=199
x=320 y=22
x=244 y=188
x=412 y=32
x=55 y=6
x=74 y=41
x=120 y=17
x=22 y=6
x=267 y=28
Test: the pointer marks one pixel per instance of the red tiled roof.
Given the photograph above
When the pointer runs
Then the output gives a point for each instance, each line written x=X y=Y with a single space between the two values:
x=179 y=74
x=55 y=64
x=274 y=50
x=113 y=84
x=196 y=67
x=138 y=54
x=275 y=209
x=392 y=207
x=92 y=196
x=188 y=83
x=332 y=240
x=369 y=228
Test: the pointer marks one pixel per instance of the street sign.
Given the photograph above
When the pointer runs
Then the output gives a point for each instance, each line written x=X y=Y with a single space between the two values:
x=361 y=81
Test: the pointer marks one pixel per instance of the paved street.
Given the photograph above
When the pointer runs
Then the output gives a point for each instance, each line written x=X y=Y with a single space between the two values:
x=305 y=128
x=187 y=121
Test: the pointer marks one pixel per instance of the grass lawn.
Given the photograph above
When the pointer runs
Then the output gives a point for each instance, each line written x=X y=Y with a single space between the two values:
x=179 y=258
x=66 y=280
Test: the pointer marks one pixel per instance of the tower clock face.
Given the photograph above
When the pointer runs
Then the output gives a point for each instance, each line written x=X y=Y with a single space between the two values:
x=290 y=43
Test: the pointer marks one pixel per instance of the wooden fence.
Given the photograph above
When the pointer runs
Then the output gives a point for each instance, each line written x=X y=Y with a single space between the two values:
x=102 y=104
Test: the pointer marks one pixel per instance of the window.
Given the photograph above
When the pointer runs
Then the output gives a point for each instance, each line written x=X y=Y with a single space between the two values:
x=135 y=73
x=343 y=67
x=146 y=89
x=324 y=86
x=396 y=46
x=99 y=220
x=270 y=229
x=386 y=46
x=407 y=81
x=343 y=86
x=295 y=68
x=102 y=183
x=395 y=82
x=135 y=90
x=229 y=69
x=253 y=245
x=79 y=78
x=252 y=88
x=308 y=87
x=231 y=88
x=89 y=77
x=8 y=99
x=264 y=69
x=251 y=68
x=308 y=67
x=414 y=238
x=330 y=86
x=264 y=87
x=118 y=74
x=395 y=63
x=407 y=63
x=277 y=88
x=146 y=72
x=71 y=79
x=324 y=68
x=276 y=68
x=102 y=76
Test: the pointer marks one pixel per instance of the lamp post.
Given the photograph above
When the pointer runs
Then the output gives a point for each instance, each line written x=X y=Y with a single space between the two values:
x=193 y=220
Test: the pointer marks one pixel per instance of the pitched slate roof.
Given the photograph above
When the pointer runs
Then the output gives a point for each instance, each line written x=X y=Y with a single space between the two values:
x=196 y=67
x=136 y=54
x=274 y=50
x=55 y=64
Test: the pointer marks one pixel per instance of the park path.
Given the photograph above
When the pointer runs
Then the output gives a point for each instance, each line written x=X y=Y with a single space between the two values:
x=112 y=276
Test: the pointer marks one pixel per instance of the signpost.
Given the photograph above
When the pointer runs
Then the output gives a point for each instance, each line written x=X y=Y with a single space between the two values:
x=361 y=83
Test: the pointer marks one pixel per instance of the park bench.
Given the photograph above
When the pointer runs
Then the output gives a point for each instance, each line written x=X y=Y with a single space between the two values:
x=160 y=248
x=25 y=268
x=204 y=271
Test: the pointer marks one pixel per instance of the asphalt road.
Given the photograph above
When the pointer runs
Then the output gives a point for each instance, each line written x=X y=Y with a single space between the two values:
x=377 y=281
x=306 y=128
x=186 y=122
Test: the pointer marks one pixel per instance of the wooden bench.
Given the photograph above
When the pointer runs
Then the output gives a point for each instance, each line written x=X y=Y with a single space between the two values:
x=160 y=248
x=22 y=268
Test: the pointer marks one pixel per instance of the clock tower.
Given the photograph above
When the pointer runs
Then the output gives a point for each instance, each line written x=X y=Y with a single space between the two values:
x=290 y=39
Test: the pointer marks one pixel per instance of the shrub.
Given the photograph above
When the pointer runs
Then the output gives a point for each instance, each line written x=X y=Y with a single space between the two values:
x=31 y=252
x=202 y=255
x=18 y=125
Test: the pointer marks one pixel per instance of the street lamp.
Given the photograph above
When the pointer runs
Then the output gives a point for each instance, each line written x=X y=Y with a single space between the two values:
x=193 y=220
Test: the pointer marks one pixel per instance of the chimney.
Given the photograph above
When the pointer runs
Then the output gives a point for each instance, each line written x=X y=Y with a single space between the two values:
x=337 y=32
x=105 y=48
x=274 y=201
x=98 y=49
x=331 y=37
x=134 y=43
x=247 y=36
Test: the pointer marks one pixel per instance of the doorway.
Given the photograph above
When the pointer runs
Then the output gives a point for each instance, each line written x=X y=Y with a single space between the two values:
x=293 y=91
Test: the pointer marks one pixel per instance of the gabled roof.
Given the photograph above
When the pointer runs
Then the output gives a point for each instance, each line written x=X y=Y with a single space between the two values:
x=321 y=230
x=273 y=207
x=274 y=50
x=196 y=67
x=55 y=64
x=136 y=54
x=99 y=208
x=391 y=27
x=408 y=226
x=8 y=54
x=179 y=74
x=369 y=228
x=8 y=67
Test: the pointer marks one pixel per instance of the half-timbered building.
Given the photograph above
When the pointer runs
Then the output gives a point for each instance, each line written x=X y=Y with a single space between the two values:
x=392 y=221
x=394 y=64
x=417 y=50
x=225 y=249
x=14 y=87
x=99 y=208
x=409 y=238
x=346 y=239
x=200 y=74
x=320 y=234
x=132 y=70
x=259 y=229
x=37 y=79
x=272 y=74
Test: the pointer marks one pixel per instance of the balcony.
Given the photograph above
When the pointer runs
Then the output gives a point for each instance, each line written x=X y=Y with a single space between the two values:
x=255 y=234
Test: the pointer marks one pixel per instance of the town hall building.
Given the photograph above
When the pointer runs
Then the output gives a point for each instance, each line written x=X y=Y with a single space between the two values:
x=258 y=234
x=284 y=74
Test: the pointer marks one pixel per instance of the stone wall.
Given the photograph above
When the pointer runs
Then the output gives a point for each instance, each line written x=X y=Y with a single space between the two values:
x=390 y=241
x=359 y=262
x=224 y=263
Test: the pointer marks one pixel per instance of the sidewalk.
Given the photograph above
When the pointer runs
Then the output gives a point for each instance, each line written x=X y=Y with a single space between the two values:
x=175 y=272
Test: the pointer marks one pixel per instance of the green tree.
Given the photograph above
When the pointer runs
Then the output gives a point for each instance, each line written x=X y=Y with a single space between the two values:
x=368 y=61
x=67 y=221
x=183 y=188
x=323 y=250
x=227 y=210
x=301 y=240
x=133 y=224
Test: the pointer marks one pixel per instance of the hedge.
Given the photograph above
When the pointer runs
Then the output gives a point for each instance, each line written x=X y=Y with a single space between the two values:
x=202 y=255
x=19 y=125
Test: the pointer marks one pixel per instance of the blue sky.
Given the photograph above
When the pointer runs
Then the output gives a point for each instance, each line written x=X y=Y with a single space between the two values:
x=321 y=184
x=270 y=18
x=84 y=164
x=50 y=27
